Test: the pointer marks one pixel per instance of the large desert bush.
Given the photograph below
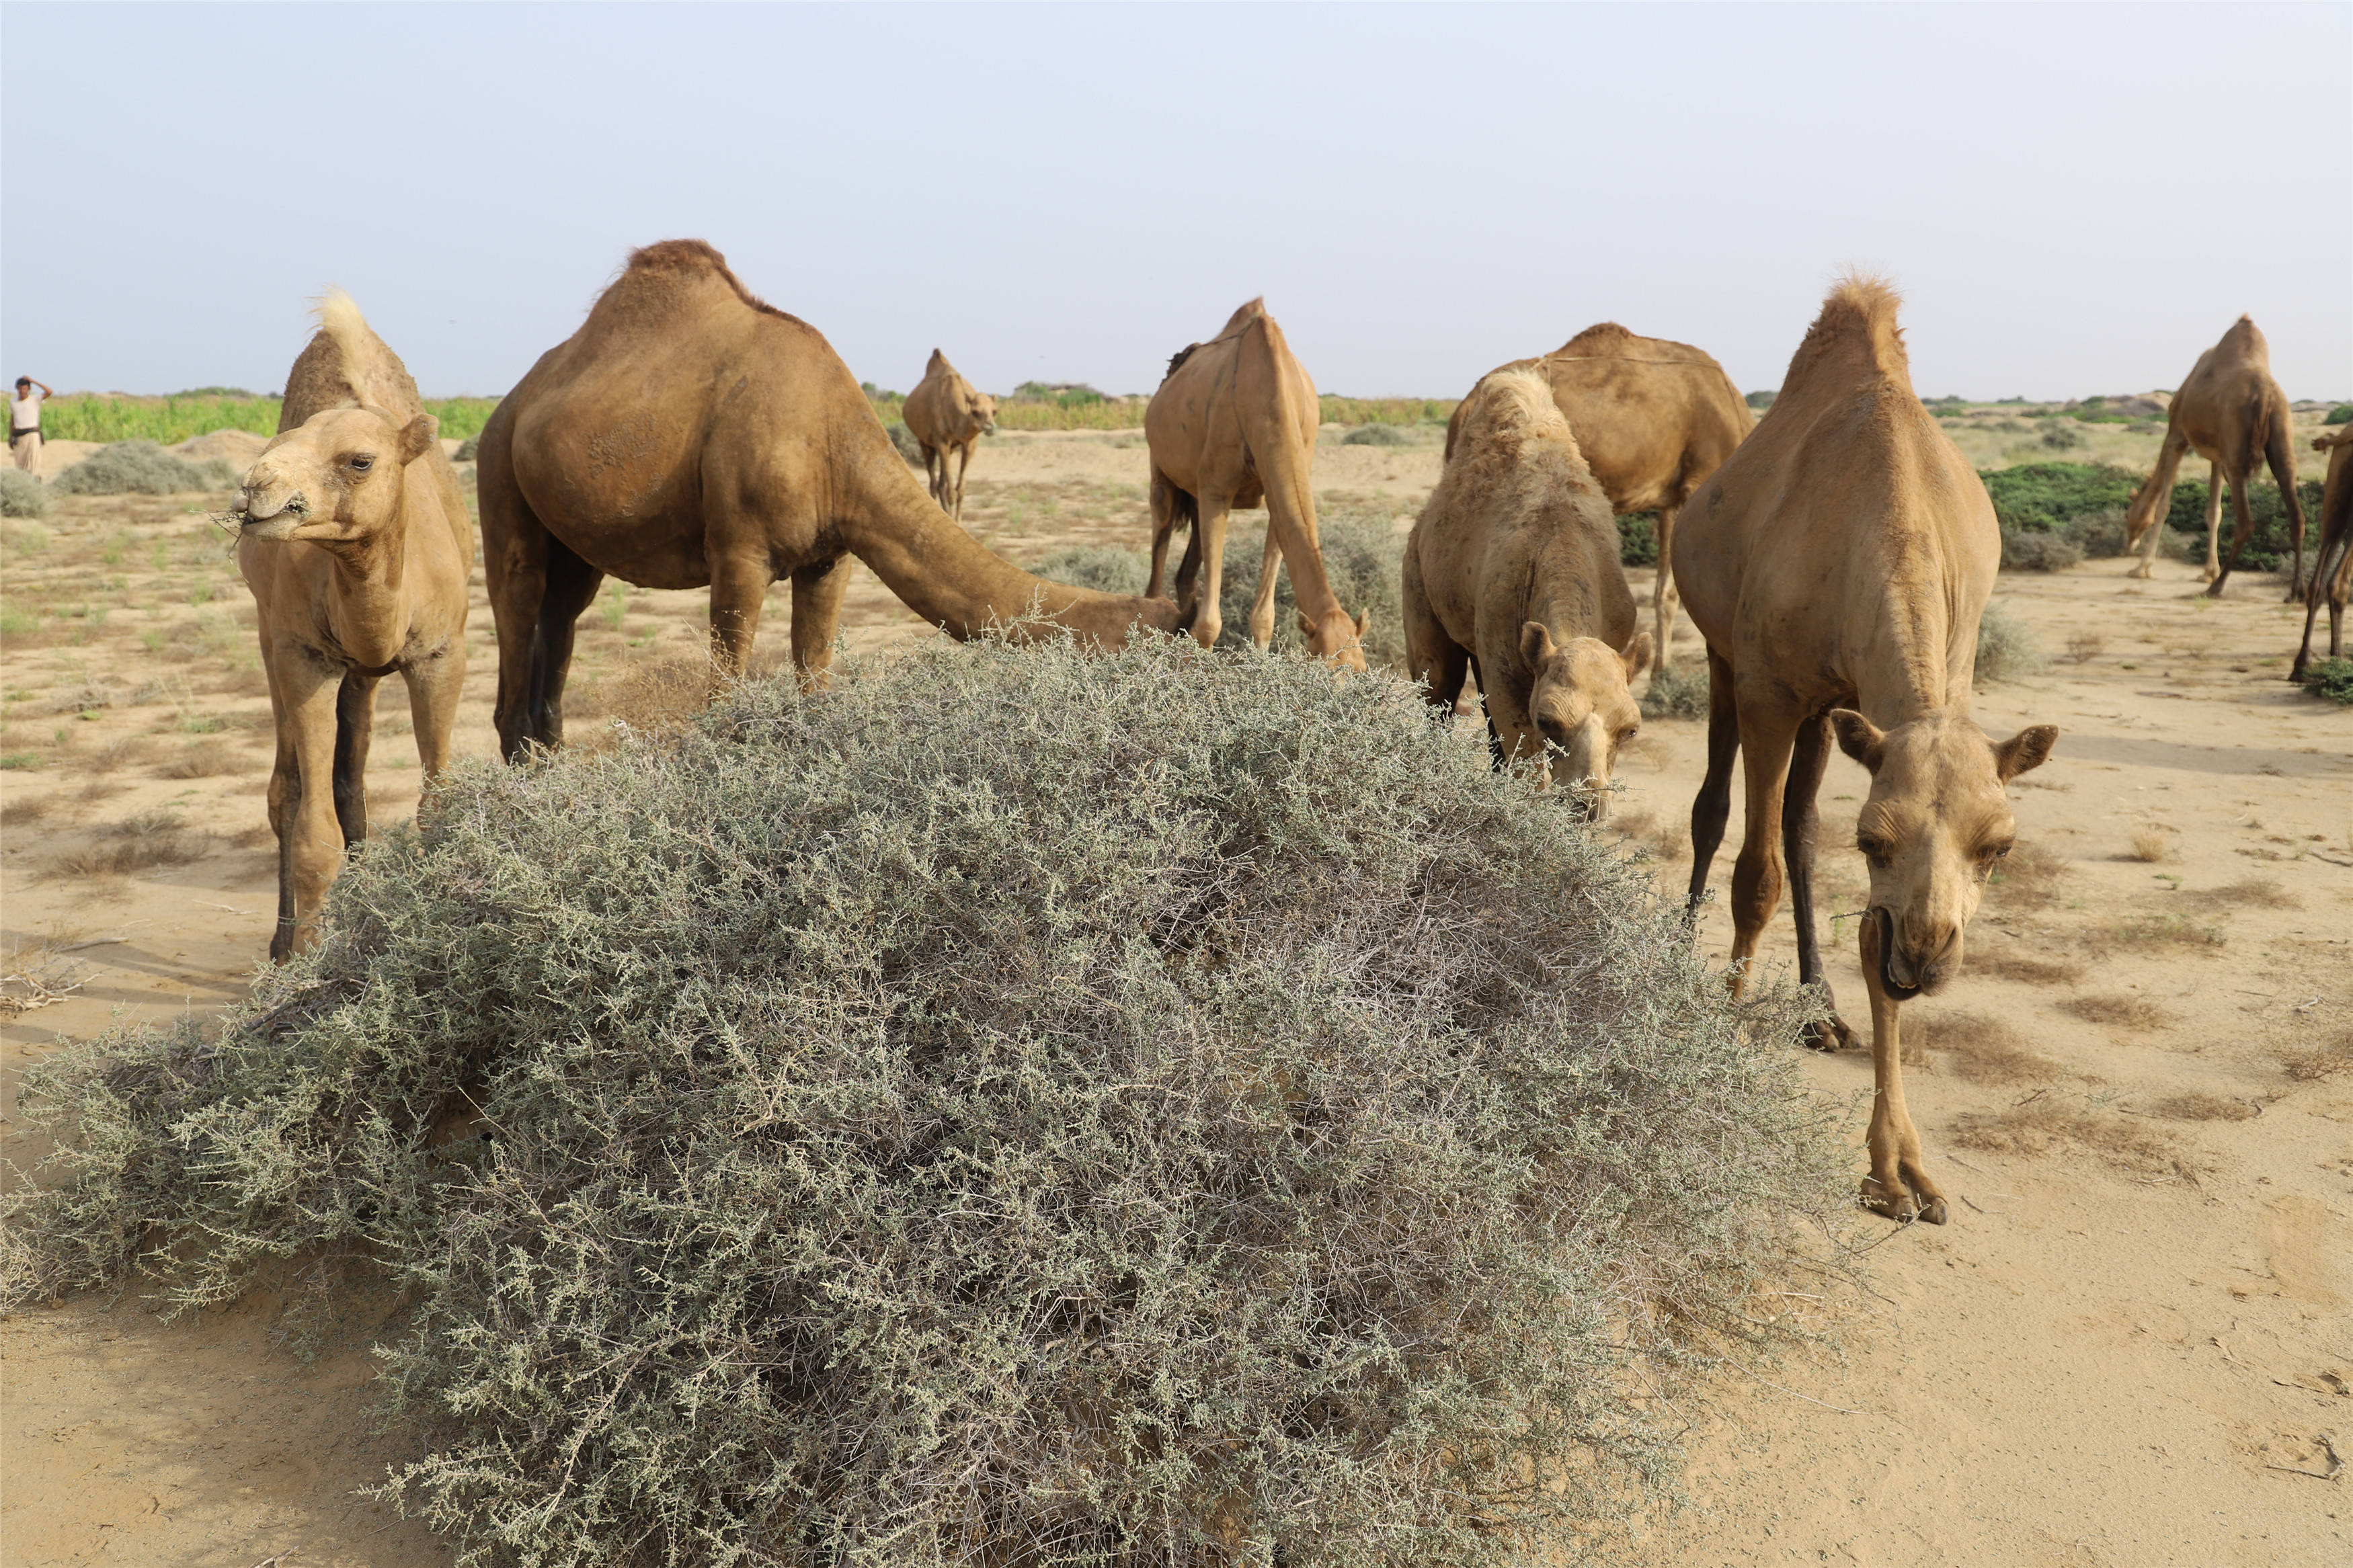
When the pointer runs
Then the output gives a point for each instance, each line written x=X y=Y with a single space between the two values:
x=141 y=468
x=2269 y=547
x=1018 y=1107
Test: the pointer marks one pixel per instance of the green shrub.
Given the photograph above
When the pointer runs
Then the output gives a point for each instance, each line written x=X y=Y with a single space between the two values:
x=2060 y=435
x=1638 y=539
x=2024 y=551
x=1761 y=401
x=92 y=416
x=1017 y=1106
x=1363 y=558
x=1376 y=435
x=2269 y=548
x=2006 y=647
x=2340 y=415
x=22 y=494
x=469 y=449
x=904 y=440
x=1677 y=693
x=2330 y=678
x=1106 y=569
x=2042 y=498
x=141 y=468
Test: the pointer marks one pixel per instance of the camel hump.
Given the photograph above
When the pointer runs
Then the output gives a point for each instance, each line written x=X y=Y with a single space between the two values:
x=1858 y=318
x=688 y=259
x=372 y=375
x=937 y=365
x=1602 y=338
x=1514 y=406
x=1253 y=312
x=2247 y=339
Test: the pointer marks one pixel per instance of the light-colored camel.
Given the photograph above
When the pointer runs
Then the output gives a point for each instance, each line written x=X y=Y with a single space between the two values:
x=1653 y=418
x=1837 y=565
x=1233 y=425
x=1512 y=571
x=2232 y=414
x=2332 y=554
x=689 y=434
x=947 y=418
x=353 y=534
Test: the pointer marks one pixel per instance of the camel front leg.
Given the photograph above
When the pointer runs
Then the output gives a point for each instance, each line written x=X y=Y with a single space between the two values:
x=1712 y=807
x=309 y=836
x=1269 y=573
x=818 y=591
x=739 y=589
x=1663 y=597
x=935 y=475
x=1899 y=1185
x=963 y=463
x=1766 y=738
x=1433 y=660
x=354 y=730
x=2213 y=525
x=1200 y=594
x=2159 y=493
x=2246 y=520
x=1800 y=829
x=435 y=685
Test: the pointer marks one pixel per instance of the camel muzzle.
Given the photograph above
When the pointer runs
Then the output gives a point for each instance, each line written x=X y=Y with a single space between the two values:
x=1906 y=972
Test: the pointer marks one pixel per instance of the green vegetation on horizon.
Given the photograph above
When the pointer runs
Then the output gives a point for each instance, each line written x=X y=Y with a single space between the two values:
x=119 y=416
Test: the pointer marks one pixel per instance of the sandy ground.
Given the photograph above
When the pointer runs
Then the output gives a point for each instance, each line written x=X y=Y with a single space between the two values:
x=2132 y=1336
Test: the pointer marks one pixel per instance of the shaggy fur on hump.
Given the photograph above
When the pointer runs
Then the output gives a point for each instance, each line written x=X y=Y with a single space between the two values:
x=1234 y=325
x=1512 y=406
x=372 y=375
x=694 y=257
x=1857 y=326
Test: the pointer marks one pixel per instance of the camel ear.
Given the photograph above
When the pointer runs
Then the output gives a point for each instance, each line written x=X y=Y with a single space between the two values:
x=1637 y=654
x=1537 y=645
x=1364 y=622
x=1306 y=625
x=2025 y=751
x=1858 y=737
x=415 y=436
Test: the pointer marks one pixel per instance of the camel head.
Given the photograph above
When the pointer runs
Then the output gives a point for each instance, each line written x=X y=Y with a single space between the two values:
x=982 y=411
x=336 y=478
x=1583 y=704
x=1935 y=828
x=1337 y=640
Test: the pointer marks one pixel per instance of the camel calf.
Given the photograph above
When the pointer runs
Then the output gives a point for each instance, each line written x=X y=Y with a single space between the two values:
x=2332 y=556
x=1837 y=564
x=354 y=536
x=2232 y=413
x=1513 y=572
x=947 y=418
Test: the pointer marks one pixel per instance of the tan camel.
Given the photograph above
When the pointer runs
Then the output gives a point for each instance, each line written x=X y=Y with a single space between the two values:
x=1837 y=565
x=1234 y=425
x=353 y=534
x=2232 y=414
x=947 y=418
x=689 y=434
x=2332 y=555
x=1653 y=419
x=1512 y=571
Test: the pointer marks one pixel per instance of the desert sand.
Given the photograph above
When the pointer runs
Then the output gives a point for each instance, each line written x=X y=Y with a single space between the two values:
x=2132 y=1345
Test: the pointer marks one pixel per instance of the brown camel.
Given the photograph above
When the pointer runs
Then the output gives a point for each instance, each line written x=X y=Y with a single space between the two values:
x=1512 y=572
x=689 y=434
x=1653 y=418
x=1837 y=565
x=2332 y=555
x=353 y=534
x=2232 y=414
x=1233 y=425
x=947 y=418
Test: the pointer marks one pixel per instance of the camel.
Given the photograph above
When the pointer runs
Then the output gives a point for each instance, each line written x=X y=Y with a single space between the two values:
x=2332 y=555
x=2232 y=414
x=1837 y=564
x=1512 y=571
x=689 y=435
x=947 y=418
x=1233 y=425
x=1653 y=419
x=354 y=535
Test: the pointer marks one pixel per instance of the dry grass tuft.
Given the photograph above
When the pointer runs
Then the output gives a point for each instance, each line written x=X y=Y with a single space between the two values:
x=122 y=751
x=660 y=697
x=2150 y=844
x=1667 y=839
x=2200 y=1106
x=2123 y=1012
x=1983 y=1049
x=2085 y=646
x=2149 y=932
x=2014 y=963
x=2258 y=890
x=138 y=843
x=2310 y=1064
x=25 y=810
x=203 y=760
x=2041 y=1125
x=2029 y=879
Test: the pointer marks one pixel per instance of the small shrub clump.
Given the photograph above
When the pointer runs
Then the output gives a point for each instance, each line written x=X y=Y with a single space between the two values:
x=1680 y=692
x=2269 y=547
x=2006 y=647
x=2340 y=415
x=1376 y=435
x=469 y=451
x=1363 y=559
x=2331 y=678
x=1104 y=568
x=22 y=494
x=1017 y=1106
x=141 y=468
x=904 y=440
x=2053 y=515
x=1638 y=539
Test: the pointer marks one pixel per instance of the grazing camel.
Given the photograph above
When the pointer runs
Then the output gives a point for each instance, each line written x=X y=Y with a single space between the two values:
x=2232 y=414
x=689 y=434
x=2332 y=556
x=1653 y=418
x=354 y=536
x=1837 y=565
x=947 y=418
x=1234 y=423
x=1512 y=572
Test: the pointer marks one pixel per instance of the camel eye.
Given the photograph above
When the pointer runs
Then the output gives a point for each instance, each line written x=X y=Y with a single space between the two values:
x=1874 y=847
x=361 y=464
x=1625 y=735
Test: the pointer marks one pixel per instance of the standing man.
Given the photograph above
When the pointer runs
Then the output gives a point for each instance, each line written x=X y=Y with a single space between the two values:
x=25 y=424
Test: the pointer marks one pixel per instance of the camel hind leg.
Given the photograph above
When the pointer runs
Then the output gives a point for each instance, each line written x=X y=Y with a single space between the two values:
x=1800 y=829
x=1766 y=740
x=1434 y=661
x=1663 y=597
x=1170 y=507
x=1200 y=577
x=1269 y=574
x=2245 y=516
x=2279 y=455
x=2213 y=524
x=1712 y=807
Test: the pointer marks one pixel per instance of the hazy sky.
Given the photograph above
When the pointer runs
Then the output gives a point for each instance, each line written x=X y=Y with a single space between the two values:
x=2072 y=199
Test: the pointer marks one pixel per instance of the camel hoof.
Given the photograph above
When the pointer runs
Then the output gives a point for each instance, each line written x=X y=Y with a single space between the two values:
x=1934 y=1214
x=2215 y=592
x=1897 y=1206
x=1828 y=1035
